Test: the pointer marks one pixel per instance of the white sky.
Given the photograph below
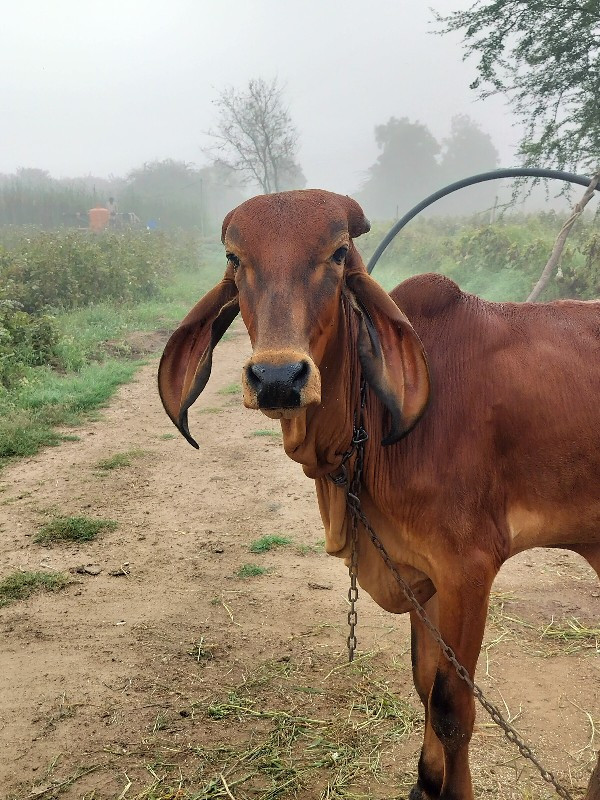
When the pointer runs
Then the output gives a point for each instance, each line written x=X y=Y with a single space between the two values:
x=99 y=88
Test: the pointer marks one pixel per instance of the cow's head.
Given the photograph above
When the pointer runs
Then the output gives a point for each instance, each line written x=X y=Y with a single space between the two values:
x=290 y=258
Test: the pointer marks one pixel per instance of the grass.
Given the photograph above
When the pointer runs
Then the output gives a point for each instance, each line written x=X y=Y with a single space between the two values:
x=72 y=529
x=572 y=635
x=250 y=571
x=232 y=388
x=90 y=374
x=275 y=736
x=21 y=585
x=120 y=460
x=266 y=543
x=275 y=434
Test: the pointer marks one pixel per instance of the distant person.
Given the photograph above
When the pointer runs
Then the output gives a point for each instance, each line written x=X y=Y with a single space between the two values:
x=98 y=218
x=112 y=210
x=152 y=225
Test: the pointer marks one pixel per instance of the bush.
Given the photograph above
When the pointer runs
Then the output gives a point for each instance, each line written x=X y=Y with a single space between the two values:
x=71 y=269
x=25 y=340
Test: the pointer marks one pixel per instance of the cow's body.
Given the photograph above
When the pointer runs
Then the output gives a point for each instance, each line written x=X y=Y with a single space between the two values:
x=494 y=434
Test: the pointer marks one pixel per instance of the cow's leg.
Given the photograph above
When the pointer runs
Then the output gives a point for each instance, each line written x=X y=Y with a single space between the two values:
x=463 y=602
x=591 y=553
x=425 y=654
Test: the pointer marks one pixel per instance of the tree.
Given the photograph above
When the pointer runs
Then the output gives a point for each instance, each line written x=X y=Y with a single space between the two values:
x=256 y=137
x=467 y=151
x=177 y=194
x=405 y=172
x=544 y=56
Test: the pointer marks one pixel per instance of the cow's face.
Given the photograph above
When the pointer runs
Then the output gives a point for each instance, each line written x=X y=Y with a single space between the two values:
x=287 y=253
x=290 y=256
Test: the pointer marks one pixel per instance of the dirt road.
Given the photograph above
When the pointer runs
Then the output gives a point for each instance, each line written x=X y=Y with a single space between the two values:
x=160 y=672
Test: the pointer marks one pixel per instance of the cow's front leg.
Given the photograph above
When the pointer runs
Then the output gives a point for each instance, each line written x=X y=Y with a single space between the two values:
x=425 y=655
x=462 y=615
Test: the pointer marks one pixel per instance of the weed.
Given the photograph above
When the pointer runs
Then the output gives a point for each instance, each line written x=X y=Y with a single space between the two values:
x=266 y=543
x=264 y=432
x=72 y=529
x=21 y=585
x=250 y=571
x=120 y=460
x=168 y=436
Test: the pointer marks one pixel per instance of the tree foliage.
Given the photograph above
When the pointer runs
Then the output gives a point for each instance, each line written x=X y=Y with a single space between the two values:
x=256 y=137
x=412 y=164
x=178 y=195
x=544 y=56
x=405 y=171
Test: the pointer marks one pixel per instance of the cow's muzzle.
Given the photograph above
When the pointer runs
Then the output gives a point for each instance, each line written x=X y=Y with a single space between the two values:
x=280 y=382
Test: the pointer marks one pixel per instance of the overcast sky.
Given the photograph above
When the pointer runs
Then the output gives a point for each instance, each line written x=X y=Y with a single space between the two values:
x=99 y=88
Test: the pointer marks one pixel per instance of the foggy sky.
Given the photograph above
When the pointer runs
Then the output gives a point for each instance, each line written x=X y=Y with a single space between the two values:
x=100 y=88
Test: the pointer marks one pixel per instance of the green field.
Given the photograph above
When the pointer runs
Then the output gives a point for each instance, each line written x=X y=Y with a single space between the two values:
x=73 y=305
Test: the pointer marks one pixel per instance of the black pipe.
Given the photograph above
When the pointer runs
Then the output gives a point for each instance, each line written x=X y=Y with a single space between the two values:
x=511 y=172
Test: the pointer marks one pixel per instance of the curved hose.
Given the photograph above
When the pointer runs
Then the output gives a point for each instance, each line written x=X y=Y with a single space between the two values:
x=511 y=172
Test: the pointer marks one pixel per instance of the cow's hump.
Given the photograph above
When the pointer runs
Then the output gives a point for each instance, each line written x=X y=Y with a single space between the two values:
x=427 y=295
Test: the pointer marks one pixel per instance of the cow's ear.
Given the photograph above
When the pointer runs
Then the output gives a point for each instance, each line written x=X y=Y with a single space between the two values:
x=187 y=359
x=391 y=355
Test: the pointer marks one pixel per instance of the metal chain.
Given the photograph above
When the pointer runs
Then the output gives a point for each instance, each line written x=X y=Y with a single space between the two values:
x=358 y=515
x=359 y=437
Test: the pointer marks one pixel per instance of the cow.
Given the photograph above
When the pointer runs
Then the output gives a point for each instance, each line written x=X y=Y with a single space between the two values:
x=483 y=422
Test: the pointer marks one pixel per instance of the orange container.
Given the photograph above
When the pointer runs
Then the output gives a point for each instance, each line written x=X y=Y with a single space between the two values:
x=98 y=218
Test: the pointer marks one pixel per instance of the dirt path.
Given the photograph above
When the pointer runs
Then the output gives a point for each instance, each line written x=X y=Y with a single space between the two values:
x=166 y=675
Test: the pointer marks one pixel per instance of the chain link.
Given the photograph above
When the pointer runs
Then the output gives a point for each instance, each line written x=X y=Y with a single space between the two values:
x=359 y=439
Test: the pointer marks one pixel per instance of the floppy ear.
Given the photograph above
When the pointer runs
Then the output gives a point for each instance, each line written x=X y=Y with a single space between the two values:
x=187 y=359
x=391 y=355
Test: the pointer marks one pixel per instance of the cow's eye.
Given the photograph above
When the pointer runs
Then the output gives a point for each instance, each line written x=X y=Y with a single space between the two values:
x=235 y=262
x=340 y=255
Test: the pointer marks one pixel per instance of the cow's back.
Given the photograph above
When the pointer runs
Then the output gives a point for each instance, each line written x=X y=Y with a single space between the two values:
x=515 y=405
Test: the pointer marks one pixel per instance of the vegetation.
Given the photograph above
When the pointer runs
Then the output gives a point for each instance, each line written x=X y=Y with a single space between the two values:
x=120 y=460
x=72 y=529
x=412 y=164
x=250 y=571
x=543 y=57
x=256 y=138
x=21 y=585
x=499 y=261
x=266 y=543
x=57 y=366
x=170 y=194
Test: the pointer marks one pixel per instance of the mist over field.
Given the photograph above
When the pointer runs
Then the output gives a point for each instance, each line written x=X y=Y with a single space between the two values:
x=100 y=90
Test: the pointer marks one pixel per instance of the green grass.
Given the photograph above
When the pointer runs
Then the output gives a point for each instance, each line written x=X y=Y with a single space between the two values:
x=264 y=432
x=232 y=388
x=119 y=460
x=30 y=415
x=250 y=571
x=72 y=529
x=266 y=543
x=21 y=585
x=45 y=399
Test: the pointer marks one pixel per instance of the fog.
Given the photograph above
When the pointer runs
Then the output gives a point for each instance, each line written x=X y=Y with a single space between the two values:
x=102 y=88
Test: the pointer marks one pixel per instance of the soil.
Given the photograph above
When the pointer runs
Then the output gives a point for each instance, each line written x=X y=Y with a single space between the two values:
x=158 y=667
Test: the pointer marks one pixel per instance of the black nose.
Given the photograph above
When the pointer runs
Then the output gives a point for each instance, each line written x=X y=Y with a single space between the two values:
x=278 y=386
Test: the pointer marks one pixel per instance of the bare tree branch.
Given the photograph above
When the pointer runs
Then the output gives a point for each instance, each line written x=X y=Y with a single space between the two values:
x=255 y=136
x=555 y=256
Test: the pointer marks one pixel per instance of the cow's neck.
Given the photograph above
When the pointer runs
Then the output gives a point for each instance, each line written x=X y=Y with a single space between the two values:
x=319 y=438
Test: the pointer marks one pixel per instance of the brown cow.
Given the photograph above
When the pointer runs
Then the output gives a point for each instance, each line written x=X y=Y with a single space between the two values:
x=484 y=425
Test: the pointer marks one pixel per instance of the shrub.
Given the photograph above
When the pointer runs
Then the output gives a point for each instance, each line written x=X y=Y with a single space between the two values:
x=71 y=269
